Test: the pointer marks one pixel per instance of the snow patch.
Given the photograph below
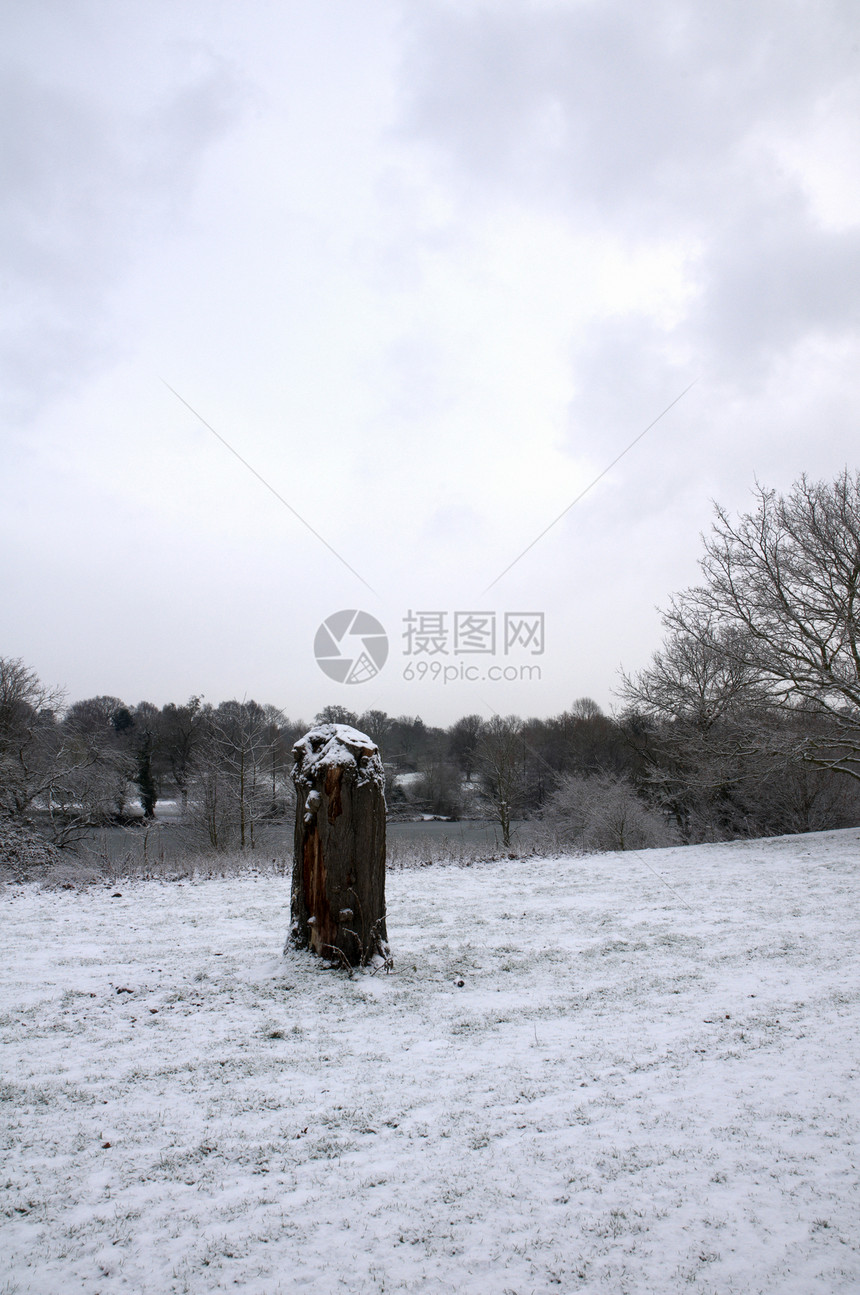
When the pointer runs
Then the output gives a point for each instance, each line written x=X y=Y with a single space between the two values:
x=572 y=1082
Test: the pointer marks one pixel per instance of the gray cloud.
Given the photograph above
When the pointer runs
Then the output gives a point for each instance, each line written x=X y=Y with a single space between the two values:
x=84 y=184
x=619 y=105
x=656 y=122
x=770 y=278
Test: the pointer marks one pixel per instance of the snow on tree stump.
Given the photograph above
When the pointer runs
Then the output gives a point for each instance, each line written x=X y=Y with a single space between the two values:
x=338 y=892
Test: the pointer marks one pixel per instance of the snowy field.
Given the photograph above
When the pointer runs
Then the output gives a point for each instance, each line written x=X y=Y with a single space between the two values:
x=577 y=1079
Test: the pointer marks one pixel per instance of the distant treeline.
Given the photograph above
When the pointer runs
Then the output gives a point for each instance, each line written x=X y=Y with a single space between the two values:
x=595 y=780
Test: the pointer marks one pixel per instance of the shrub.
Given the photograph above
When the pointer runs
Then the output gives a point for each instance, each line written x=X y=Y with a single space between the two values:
x=604 y=812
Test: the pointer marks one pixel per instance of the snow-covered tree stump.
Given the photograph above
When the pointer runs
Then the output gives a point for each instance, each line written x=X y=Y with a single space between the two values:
x=338 y=893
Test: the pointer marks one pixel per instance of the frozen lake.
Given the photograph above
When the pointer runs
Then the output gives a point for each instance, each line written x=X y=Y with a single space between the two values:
x=172 y=836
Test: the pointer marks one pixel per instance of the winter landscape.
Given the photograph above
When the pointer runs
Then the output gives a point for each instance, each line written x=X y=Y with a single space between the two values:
x=429 y=647
x=629 y=1072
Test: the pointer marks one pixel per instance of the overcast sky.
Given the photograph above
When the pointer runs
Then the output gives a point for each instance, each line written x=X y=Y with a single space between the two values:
x=428 y=268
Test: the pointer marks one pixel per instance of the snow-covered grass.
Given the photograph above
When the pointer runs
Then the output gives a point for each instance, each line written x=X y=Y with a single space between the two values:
x=580 y=1077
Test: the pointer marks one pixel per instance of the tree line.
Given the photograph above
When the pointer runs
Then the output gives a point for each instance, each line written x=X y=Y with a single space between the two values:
x=746 y=722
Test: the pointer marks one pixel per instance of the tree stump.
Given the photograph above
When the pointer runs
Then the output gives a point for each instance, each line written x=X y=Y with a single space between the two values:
x=338 y=891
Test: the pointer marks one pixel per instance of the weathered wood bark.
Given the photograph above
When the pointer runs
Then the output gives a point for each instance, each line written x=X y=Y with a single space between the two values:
x=338 y=893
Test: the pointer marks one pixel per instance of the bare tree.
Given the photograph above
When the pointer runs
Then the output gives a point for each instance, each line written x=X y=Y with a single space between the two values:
x=700 y=678
x=437 y=789
x=781 y=603
x=181 y=730
x=234 y=771
x=29 y=737
x=585 y=708
x=759 y=670
x=336 y=715
x=502 y=761
x=376 y=724
x=65 y=771
x=97 y=737
x=692 y=717
x=463 y=738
